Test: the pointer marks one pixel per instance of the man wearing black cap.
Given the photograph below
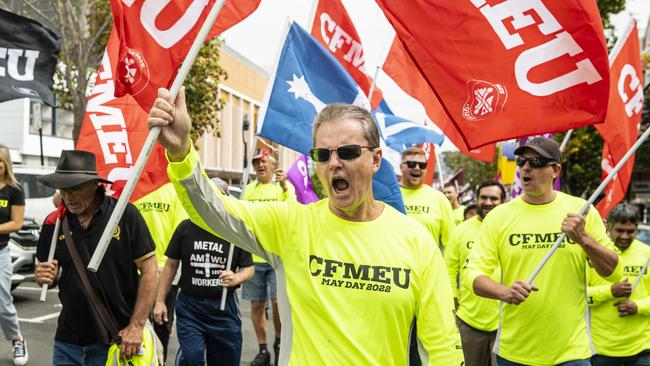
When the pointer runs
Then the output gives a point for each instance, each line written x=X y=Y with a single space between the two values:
x=83 y=336
x=547 y=327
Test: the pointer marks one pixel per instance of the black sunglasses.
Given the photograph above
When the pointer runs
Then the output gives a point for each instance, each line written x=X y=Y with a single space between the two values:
x=534 y=162
x=412 y=164
x=345 y=152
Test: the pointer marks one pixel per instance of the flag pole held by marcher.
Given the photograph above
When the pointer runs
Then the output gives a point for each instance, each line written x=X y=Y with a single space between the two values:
x=638 y=279
x=50 y=255
x=102 y=246
x=591 y=200
x=224 y=293
x=565 y=141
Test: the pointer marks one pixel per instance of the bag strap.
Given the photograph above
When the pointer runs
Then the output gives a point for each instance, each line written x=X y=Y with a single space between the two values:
x=104 y=316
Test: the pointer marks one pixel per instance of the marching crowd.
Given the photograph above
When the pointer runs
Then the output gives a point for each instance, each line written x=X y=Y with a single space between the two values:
x=347 y=280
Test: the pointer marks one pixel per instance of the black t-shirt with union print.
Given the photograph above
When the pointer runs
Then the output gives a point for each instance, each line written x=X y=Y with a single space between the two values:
x=116 y=280
x=9 y=196
x=203 y=256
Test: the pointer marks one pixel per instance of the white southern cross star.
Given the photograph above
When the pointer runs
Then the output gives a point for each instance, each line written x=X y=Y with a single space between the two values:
x=300 y=89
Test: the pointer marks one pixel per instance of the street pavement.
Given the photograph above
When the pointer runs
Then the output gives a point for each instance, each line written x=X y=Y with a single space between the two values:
x=38 y=324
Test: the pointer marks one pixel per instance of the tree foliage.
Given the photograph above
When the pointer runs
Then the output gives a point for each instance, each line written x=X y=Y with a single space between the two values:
x=608 y=8
x=475 y=171
x=581 y=168
x=201 y=87
x=84 y=27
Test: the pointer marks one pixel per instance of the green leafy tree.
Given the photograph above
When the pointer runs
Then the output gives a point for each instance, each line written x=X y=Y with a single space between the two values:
x=201 y=87
x=474 y=171
x=84 y=27
x=581 y=168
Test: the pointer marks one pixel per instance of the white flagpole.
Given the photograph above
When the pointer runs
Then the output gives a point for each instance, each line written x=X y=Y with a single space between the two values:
x=591 y=200
x=565 y=141
x=224 y=293
x=439 y=165
x=102 y=246
x=372 y=86
x=50 y=255
x=267 y=96
x=638 y=279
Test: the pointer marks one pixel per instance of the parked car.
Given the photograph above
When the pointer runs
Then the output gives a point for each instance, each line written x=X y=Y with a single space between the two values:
x=38 y=197
x=643 y=233
x=22 y=246
x=235 y=191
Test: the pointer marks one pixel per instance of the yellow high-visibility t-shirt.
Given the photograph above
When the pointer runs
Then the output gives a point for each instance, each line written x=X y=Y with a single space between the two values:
x=479 y=312
x=269 y=192
x=459 y=214
x=550 y=326
x=613 y=335
x=431 y=208
x=348 y=292
x=162 y=211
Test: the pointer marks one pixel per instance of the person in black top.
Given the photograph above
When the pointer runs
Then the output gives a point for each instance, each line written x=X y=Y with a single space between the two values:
x=12 y=211
x=205 y=275
x=81 y=337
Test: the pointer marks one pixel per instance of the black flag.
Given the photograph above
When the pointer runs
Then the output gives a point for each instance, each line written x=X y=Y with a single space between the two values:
x=28 y=57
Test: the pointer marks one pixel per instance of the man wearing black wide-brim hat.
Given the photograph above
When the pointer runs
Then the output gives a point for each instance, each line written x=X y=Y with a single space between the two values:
x=82 y=336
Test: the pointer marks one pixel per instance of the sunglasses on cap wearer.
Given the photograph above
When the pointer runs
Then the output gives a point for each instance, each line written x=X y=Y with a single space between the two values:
x=345 y=152
x=534 y=162
x=413 y=164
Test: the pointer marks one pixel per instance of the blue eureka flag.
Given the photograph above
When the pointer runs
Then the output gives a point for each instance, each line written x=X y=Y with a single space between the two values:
x=307 y=79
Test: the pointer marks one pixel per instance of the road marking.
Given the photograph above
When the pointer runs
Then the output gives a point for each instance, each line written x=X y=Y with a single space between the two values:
x=40 y=319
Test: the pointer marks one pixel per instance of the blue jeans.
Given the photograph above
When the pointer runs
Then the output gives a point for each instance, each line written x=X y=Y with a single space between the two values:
x=263 y=284
x=642 y=359
x=205 y=333
x=503 y=362
x=8 y=317
x=67 y=354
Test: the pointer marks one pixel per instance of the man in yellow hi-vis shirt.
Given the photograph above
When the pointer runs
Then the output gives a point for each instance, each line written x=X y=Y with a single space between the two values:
x=427 y=205
x=478 y=317
x=353 y=273
x=549 y=327
x=620 y=317
x=451 y=193
x=162 y=211
x=263 y=284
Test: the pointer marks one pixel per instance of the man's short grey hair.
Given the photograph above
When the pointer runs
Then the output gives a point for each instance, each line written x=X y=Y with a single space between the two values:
x=623 y=213
x=339 y=111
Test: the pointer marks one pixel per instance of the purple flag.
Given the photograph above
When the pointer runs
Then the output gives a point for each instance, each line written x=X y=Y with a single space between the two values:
x=298 y=175
x=516 y=189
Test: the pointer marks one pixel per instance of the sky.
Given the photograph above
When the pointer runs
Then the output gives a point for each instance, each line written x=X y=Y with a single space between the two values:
x=258 y=37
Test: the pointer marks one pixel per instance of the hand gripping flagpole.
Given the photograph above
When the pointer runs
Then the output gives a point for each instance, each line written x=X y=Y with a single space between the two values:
x=102 y=246
x=50 y=255
x=591 y=200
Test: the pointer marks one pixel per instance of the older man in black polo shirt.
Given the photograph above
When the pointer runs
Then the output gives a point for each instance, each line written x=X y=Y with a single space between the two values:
x=82 y=336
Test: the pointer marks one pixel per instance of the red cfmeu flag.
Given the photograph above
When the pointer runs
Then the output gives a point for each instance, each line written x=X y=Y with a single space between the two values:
x=333 y=28
x=155 y=37
x=621 y=128
x=114 y=129
x=399 y=67
x=511 y=68
x=430 y=150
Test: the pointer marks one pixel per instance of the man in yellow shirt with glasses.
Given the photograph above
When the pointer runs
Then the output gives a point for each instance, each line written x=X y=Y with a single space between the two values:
x=548 y=327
